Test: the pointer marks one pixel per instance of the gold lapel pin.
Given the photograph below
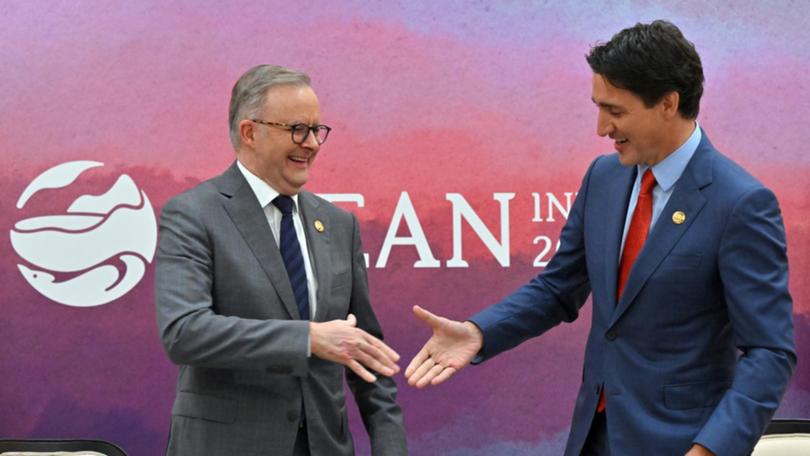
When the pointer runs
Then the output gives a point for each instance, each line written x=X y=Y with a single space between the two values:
x=318 y=226
x=678 y=217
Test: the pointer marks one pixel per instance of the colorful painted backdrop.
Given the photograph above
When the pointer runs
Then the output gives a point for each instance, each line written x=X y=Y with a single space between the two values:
x=435 y=106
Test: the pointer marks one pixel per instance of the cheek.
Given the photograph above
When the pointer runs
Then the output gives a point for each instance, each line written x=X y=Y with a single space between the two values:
x=279 y=156
x=631 y=131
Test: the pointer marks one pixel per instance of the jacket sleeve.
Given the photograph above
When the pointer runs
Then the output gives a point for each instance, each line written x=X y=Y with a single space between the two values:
x=754 y=272
x=381 y=414
x=553 y=296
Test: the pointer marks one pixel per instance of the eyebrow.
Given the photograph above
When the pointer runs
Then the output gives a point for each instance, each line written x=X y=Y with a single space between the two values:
x=606 y=105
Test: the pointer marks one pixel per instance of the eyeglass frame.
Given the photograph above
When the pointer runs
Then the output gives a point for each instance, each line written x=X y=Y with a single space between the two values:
x=291 y=128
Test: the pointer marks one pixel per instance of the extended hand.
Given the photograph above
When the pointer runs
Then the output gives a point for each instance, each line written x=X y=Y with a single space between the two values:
x=699 y=450
x=342 y=342
x=451 y=347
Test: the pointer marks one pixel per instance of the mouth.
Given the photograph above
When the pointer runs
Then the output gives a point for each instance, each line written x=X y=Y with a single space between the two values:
x=298 y=159
x=619 y=142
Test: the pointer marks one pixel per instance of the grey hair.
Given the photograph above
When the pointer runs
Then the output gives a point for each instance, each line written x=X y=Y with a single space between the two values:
x=250 y=91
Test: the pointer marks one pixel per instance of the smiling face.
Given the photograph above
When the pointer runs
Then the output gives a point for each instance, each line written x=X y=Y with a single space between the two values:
x=641 y=135
x=268 y=151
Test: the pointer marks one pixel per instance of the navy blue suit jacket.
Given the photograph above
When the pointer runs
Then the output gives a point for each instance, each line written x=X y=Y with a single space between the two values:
x=700 y=346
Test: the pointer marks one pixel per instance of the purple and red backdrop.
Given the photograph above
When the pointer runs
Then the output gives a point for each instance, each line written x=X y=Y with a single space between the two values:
x=443 y=113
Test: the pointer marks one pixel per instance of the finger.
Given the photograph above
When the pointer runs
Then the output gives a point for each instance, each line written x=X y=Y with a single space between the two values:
x=382 y=347
x=421 y=371
x=361 y=371
x=415 y=362
x=352 y=320
x=430 y=375
x=372 y=351
x=444 y=375
x=372 y=363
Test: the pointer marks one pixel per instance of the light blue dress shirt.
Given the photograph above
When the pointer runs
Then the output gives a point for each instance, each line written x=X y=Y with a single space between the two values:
x=666 y=172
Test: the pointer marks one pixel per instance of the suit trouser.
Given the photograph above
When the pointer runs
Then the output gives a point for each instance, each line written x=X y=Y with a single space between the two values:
x=301 y=447
x=597 y=442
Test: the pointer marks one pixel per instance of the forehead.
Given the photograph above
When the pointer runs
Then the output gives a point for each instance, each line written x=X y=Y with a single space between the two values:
x=605 y=94
x=292 y=101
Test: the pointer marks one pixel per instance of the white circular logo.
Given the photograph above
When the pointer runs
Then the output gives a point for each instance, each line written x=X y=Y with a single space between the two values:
x=95 y=253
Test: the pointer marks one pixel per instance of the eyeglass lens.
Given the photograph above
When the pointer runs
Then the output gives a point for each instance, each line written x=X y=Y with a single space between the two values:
x=301 y=131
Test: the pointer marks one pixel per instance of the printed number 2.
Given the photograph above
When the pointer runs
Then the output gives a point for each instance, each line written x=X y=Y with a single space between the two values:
x=543 y=258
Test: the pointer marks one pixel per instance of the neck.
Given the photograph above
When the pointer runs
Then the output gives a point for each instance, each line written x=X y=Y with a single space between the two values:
x=681 y=131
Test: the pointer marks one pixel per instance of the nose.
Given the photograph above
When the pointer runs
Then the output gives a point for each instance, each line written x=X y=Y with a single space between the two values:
x=604 y=126
x=311 y=143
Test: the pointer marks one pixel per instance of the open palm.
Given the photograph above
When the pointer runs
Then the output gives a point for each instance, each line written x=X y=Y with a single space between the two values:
x=452 y=347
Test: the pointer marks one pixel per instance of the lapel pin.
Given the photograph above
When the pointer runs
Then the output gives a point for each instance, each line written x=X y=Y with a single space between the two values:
x=678 y=217
x=318 y=226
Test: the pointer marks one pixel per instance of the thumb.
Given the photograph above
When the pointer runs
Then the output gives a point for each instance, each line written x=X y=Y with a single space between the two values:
x=426 y=316
x=352 y=320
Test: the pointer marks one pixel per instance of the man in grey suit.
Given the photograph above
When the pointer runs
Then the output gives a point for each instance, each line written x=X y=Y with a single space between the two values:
x=262 y=296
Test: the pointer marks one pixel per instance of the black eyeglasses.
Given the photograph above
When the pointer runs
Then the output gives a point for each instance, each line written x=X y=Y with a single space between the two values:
x=299 y=131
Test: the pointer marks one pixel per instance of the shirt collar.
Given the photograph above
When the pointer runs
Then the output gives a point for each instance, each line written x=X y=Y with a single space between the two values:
x=669 y=170
x=263 y=191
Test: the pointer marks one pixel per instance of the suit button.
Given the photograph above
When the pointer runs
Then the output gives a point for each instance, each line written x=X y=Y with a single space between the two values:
x=611 y=336
x=292 y=415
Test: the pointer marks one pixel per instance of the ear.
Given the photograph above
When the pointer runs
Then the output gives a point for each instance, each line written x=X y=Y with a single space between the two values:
x=247 y=133
x=669 y=104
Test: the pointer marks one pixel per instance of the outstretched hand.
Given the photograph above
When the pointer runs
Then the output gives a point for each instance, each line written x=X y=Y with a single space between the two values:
x=699 y=450
x=452 y=346
x=342 y=342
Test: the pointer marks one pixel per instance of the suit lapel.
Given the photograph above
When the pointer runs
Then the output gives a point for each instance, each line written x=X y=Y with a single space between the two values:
x=318 y=245
x=249 y=218
x=686 y=197
x=618 y=197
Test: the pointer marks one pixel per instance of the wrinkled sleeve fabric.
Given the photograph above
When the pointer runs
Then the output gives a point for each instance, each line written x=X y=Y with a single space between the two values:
x=552 y=297
x=754 y=271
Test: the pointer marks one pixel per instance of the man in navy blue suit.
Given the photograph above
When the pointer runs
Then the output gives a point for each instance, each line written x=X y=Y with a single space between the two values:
x=683 y=253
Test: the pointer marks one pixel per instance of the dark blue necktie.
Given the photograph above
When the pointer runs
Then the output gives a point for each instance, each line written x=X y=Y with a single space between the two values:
x=291 y=253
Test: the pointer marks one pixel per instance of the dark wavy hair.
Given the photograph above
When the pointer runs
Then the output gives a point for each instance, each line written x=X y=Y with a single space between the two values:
x=652 y=60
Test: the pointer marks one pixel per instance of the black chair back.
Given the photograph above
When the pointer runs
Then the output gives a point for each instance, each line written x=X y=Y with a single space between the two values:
x=788 y=426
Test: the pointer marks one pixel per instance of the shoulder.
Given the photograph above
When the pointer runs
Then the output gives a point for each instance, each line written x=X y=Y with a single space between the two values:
x=212 y=191
x=731 y=185
x=336 y=214
x=194 y=199
x=735 y=193
x=605 y=170
x=607 y=165
x=731 y=176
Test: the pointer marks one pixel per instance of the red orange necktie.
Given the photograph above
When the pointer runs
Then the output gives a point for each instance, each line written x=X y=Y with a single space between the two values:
x=636 y=235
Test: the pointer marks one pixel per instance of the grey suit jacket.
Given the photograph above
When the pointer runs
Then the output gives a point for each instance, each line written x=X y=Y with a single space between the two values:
x=227 y=315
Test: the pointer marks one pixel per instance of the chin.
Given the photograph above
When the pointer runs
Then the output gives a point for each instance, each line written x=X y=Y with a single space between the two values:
x=625 y=160
x=298 y=179
x=628 y=158
x=298 y=186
